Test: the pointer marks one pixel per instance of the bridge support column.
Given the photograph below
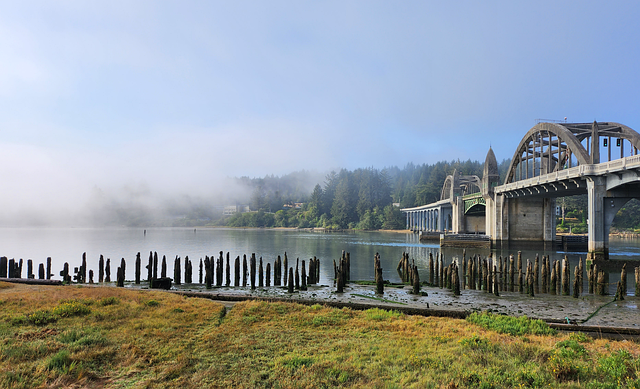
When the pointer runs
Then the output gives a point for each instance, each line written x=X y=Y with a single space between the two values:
x=596 y=191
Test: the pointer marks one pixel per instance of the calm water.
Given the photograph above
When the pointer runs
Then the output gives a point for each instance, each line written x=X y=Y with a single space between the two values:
x=67 y=245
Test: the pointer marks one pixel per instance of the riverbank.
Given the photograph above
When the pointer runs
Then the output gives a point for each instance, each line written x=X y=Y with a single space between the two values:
x=590 y=311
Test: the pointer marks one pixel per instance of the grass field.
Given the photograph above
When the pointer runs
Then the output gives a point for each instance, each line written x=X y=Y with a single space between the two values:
x=70 y=336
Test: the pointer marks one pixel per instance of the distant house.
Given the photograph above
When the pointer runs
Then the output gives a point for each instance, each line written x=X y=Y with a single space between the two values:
x=293 y=206
x=229 y=210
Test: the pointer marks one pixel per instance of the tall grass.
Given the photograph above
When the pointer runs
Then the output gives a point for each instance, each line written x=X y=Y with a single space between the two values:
x=138 y=339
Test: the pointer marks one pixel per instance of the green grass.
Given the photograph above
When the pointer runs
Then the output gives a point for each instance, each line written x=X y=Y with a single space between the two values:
x=120 y=340
x=510 y=325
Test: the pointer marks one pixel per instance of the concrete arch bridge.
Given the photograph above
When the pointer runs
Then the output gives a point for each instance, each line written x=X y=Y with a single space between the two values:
x=552 y=160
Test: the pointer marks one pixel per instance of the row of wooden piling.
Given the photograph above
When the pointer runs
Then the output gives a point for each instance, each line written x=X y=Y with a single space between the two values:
x=216 y=271
x=494 y=276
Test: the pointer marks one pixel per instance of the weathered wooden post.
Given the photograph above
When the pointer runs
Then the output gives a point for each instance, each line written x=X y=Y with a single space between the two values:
x=107 y=271
x=378 y=274
x=340 y=278
x=155 y=265
x=66 y=277
x=527 y=276
x=176 y=271
x=228 y=271
x=348 y=267
x=149 y=268
x=49 y=274
x=558 y=277
x=520 y=275
x=207 y=272
x=290 y=280
x=576 y=282
x=30 y=269
x=637 y=281
x=268 y=277
x=3 y=267
x=580 y=274
x=200 y=273
x=601 y=286
x=439 y=271
x=277 y=272
x=303 y=277
x=286 y=266
x=163 y=269
x=619 y=293
x=91 y=276
x=554 y=276
x=566 y=276
x=244 y=270
x=531 y=287
x=471 y=271
x=101 y=269
x=12 y=268
x=236 y=274
x=511 y=274
x=252 y=263
x=41 y=272
x=137 y=268
x=501 y=276
x=544 y=275
x=416 y=280
x=456 y=279
x=623 y=280
x=536 y=275
x=496 y=281
x=260 y=275
x=84 y=267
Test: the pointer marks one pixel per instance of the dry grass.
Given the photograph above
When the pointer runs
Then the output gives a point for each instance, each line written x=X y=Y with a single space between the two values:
x=145 y=339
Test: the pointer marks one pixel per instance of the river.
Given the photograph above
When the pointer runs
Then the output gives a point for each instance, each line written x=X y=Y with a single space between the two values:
x=68 y=245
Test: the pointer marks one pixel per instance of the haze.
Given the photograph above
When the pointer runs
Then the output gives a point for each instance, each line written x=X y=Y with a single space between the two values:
x=162 y=101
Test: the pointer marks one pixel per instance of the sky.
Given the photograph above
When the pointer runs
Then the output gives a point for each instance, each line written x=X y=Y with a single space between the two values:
x=173 y=96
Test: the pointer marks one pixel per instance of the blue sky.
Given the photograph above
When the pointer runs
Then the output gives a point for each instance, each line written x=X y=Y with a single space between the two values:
x=173 y=94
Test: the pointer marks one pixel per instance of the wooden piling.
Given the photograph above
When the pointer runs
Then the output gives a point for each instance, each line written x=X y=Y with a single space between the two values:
x=163 y=271
x=558 y=277
x=91 y=276
x=520 y=275
x=66 y=277
x=580 y=275
x=137 y=281
x=260 y=275
x=200 y=273
x=496 y=280
x=576 y=281
x=623 y=280
x=286 y=266
x=207 y=272
x=227 y=272
x=303 y=277
x=149 y=268
x=553 y=284
x=441 y=267
x=49 y=274
x=536 y=275
x=544 y=279
x=416 y=280
x=30 y=274
x=176 y=271
x=290 y=280
x=566 y=276
x=637 y=281
x=619 y=292
x=378 y=274
x=601 y=284
x=244 y=270
x=267 y=279
x=41 y=274
x=253 y=270
x=107 y=271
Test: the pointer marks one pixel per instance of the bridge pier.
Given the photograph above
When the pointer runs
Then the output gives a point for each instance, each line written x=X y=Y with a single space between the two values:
x=596 y=191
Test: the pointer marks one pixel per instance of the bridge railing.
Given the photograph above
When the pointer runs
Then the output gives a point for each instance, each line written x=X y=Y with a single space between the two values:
x=603 y=168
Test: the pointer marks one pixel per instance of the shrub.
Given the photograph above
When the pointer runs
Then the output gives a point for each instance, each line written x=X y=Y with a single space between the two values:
x=71 y=308
x=152 y=303
x=109 y=301
x=515 y=326
x=42 y=317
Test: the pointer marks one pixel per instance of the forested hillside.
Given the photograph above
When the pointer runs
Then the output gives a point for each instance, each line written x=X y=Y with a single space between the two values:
x=362 y=198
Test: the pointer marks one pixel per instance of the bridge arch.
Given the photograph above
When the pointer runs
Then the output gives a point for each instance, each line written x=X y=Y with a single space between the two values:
x=549 y=147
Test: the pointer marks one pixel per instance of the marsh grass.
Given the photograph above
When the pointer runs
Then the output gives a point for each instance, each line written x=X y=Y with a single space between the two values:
x=119 y=338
